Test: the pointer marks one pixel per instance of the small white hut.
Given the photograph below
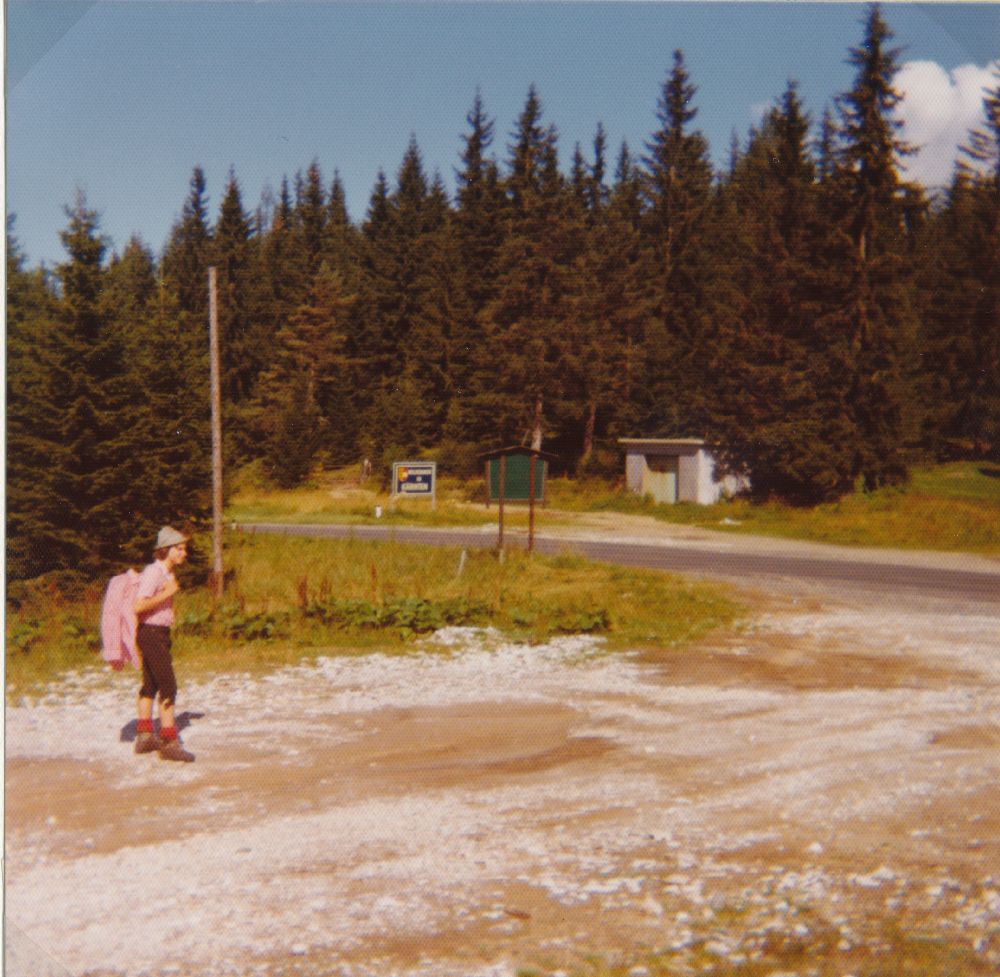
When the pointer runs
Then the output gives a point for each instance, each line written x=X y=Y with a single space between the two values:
x=675 y=470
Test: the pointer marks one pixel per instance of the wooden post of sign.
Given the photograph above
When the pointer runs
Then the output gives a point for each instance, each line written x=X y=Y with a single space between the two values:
x=217 y=578
x=531 y=501
x=536 y=446
x=503 y=478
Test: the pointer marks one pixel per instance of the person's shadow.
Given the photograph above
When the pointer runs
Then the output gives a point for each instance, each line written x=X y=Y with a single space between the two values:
x=182 y=720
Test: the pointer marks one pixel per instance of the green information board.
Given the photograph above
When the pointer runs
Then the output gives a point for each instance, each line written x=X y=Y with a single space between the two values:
x=517 y=471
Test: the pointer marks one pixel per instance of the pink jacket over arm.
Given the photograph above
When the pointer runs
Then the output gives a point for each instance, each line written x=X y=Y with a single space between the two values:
x=118 y=621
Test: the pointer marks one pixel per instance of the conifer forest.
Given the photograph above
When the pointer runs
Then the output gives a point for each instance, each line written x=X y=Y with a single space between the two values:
x=823 y=321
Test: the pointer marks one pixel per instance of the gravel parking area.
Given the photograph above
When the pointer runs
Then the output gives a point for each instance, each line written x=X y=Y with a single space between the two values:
x=811 y=795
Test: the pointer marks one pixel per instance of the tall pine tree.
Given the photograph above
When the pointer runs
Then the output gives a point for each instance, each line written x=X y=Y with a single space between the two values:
x=786 y=421
x=874 y=295
x=302 y=395
x=33 y=510
x=527 y=349
x=679 y=194
x=961 y=318
x=72 y=418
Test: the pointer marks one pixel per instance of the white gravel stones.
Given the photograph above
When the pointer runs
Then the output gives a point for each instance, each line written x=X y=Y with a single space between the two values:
x=628 y=835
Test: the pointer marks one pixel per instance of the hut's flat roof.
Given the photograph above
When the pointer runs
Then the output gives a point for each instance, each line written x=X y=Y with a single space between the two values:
x=518 y=449
x=663 y=442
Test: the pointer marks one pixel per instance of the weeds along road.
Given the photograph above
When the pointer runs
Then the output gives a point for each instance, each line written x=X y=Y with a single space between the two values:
x=755 y=560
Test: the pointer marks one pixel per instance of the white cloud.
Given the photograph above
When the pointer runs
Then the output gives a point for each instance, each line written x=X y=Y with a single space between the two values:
x=938 y=110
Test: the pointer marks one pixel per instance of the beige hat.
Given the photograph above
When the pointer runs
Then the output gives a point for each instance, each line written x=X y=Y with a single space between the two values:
x=168 y=536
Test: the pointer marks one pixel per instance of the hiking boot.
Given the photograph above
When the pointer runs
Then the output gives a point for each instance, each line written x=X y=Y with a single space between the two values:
x=172 y=750
x=147 y=743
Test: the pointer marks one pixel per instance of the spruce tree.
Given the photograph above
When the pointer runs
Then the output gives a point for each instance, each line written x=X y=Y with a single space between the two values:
x=480 y=207
x=246 y=319
x=311 y=218
x=785 y=415
x=301 y=404
x=875 y=316
x=579 y=179
x=597 y=190
x=477 y=231
x=342 y=241
x=431 y=347
x=33 y=509
x=678 y=175
x=168 y=472
x=627 y=191
x=186 y=256
x=528 y=345
x=71 y=491
x=961 y=336
x=983 y=250
x=280 y=288
x=401 y=336
x=609 y=310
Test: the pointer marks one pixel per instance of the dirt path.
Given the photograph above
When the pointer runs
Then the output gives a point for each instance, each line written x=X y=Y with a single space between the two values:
x=817 y=795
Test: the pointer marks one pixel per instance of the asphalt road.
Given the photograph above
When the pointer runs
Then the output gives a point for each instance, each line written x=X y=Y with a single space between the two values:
x=876 y=574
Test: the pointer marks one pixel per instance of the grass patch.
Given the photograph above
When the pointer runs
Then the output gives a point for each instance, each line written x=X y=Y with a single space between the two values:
x=337 y=497
x=954 y=507
x=48 y=635
x=288 y=599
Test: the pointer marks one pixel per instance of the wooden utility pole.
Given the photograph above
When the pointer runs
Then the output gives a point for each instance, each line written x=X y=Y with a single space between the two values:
x=216 y=394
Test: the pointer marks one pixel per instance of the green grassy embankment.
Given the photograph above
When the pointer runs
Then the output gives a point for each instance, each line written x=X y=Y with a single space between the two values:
x=291 y=599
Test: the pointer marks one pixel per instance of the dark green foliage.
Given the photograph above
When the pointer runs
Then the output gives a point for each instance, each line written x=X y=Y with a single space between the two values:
x=785 y=419
x=678 y=189
x=411 y=615
x=243 y=338
x=104 y=438
x=84 y=427
x=611 y=311
x=409 y=318
x=528 y=373
x=302 y=393
x=33 y=533
x=875 y=314
x=166 y=476
x=961 y=300
x=186 y=257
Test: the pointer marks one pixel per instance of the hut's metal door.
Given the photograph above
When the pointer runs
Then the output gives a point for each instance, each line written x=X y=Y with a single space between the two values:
x=660 y=478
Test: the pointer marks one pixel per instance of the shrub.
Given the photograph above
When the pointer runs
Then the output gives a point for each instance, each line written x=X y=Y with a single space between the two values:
x=410 y=615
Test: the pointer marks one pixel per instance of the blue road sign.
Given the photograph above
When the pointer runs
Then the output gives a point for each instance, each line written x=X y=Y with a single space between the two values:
x=414 y=478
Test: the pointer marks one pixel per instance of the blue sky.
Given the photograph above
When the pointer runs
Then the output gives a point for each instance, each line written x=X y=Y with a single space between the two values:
x=123 y=99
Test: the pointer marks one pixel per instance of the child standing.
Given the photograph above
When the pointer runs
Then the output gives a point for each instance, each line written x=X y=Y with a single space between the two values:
x=154 y=608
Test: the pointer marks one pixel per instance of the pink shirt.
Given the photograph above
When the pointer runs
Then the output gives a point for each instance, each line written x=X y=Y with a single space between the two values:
x=151 y=580
x=118 y=620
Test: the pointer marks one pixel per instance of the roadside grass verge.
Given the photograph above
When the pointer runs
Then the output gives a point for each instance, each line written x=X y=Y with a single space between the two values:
x=338 y=497
x=291 y=599
x=953 y=507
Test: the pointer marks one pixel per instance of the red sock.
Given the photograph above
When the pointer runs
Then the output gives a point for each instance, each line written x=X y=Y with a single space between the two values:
x=145 y=726
x=168 y=733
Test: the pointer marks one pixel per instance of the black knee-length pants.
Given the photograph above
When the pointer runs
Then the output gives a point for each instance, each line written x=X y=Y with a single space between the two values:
x=157 y=663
